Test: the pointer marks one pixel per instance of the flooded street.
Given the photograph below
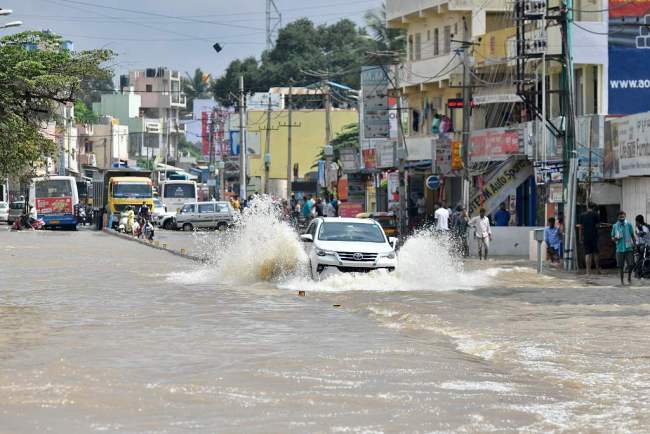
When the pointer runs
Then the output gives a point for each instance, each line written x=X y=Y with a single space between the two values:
x=102 y=334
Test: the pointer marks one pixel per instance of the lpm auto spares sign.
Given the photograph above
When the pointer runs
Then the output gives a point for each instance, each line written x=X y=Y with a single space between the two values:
x=501 y=184
x=54 y=205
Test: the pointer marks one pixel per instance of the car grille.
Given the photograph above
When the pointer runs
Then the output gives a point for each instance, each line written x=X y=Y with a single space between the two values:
x=357 y=256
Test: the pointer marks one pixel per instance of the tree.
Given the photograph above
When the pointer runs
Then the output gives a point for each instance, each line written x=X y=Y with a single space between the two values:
x=196 y=86
x=37 y=75
x=348 y=137
x=387 y=39
x=302 y=51
x=83 y=114
x=93 y=87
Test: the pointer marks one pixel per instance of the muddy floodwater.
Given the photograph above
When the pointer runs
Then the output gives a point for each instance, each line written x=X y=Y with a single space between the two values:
x=101 y=334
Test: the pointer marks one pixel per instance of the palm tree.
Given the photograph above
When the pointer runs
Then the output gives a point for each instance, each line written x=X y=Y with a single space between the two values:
x=196 y=86
x=387 y=39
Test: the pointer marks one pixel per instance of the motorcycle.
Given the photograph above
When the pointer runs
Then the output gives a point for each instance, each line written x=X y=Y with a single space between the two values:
x=22 y=222
x=145 y=230
x=124 y=227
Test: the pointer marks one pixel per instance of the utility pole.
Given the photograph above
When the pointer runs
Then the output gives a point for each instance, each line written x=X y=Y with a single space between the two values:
x=401 y=154
x=267 y=150
x=242 y=140
x=328 y=114
x=211 y=188
x=290 y=126
x=467 y=99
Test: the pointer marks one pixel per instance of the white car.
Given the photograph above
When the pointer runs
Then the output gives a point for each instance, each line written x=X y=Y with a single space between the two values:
x=349 y=245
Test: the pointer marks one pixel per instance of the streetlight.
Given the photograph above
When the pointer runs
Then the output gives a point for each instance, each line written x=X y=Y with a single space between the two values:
x=4 y=12
x=11 y=24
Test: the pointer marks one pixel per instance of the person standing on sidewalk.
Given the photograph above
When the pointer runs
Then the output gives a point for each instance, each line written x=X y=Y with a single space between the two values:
x=502 y=217
x=589 y=221
x=624 y=237
x=482 y=233
x=553 y=240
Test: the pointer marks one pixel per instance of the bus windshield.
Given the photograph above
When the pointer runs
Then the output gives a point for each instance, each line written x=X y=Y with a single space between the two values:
x=53 y=188
x=141 y=191
x=180 y=191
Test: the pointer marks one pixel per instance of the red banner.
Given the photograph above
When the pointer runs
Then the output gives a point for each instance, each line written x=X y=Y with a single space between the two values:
x=54 y=205
x=350 y=209
x=369 y=159
x=495 y=144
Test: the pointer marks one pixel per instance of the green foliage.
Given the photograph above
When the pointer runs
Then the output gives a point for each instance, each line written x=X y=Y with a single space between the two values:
x=301 y=47
x=196 y=86
x=387 y=39
x=83 y=114
x=36 y=75
x=348 y=137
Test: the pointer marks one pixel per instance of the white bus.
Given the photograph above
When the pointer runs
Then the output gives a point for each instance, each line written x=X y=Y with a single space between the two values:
x=176 y=193
x=55 y=199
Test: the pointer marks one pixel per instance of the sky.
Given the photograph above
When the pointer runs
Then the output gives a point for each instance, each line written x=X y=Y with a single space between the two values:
x=178 y=34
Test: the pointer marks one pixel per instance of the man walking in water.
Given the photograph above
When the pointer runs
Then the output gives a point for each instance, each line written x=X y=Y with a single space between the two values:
x=442 y=218
x=624 y=237
x=589 y=222
x=482 y=233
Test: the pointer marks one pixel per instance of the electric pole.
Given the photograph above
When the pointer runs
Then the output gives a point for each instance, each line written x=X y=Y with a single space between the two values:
x=242 y=140
x=289 y=114
x=267 y=150
x=328 y=114
x=401 y=154
x=467 y=109
x=211 y=178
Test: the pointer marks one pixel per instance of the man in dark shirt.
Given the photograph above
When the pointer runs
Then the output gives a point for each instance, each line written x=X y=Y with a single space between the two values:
x=589 y=221
x=502 y=217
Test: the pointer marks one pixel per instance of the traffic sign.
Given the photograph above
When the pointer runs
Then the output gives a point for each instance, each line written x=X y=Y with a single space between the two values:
x=433 y=182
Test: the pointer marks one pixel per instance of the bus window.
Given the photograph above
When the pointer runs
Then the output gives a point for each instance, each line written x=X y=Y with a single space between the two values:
x=185 y=191
x=53 y=188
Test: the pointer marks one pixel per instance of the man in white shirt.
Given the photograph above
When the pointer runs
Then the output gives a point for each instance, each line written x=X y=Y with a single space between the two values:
x=442 y=218
x=482 y=233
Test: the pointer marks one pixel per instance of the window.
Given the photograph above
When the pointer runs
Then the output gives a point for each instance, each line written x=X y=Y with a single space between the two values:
x=222 y=208
x=149 y=88
x=141 y=191
x=360 y=232
x=179 y=191
x=447 y=41
x=428 y=35
x=53 y=188
x=418 y=46
x=187 y=208
x=206 y=208
x=436 y=42
x=410 y=47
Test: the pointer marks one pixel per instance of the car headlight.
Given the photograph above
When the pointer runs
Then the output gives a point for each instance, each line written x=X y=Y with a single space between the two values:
x=390 y=255
x=320 y=252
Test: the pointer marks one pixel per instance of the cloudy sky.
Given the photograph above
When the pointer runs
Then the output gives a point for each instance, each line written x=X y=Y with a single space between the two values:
x=174 y=33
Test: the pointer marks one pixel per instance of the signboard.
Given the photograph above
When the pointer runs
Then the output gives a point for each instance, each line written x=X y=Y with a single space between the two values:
x=374 y=90
x=350 y=209
x=54 y=205
x=392 y=190
x=349 y=158
x=385 y=154
x=547 y=172
x=442 y=145
x=495 y=98
x=356 y=188
x=555 y=193
x=628 y=152
x=500 y=185
x=433 y=182
x=494 y=144
x=628 y=51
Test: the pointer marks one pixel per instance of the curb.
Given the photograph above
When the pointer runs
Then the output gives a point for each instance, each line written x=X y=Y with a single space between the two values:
x=154 y=245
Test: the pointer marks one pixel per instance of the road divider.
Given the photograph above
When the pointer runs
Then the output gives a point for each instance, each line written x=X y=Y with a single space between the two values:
x=183 y=253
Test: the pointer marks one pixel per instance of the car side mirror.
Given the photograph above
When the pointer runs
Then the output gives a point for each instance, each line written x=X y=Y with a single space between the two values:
x=392 y=241
x=307 y=238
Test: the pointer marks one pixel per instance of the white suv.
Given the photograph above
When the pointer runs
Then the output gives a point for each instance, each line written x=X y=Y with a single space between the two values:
x=349 y=245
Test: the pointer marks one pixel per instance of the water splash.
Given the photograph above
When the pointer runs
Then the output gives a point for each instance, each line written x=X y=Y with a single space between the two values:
x=263 y=247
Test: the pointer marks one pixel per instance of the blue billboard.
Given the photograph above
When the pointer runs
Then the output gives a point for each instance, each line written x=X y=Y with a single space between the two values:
x=629 y=57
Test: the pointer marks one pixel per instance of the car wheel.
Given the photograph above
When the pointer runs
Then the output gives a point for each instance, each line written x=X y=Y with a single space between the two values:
x=187 y=227
x=222 y=226
x=168 y=225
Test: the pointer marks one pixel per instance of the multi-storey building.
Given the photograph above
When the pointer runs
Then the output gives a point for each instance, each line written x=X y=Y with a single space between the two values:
x=443 y=36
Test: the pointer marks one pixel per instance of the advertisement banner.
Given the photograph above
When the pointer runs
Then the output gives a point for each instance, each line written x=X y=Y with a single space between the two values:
x=349 y=158
x=500 y=185
x=374 y=90
x=442 y=145
x=369 y=158
x=392 y=189
x=628 y=150
x=54 y=205
x=494 y=144
x=628 y=50
x=385 y=154
x=350 y=209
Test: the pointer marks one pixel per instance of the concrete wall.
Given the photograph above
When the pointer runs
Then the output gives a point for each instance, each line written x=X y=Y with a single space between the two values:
x=508 y=241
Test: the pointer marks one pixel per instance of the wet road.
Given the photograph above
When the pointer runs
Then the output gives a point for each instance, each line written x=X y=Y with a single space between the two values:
x=100 y=334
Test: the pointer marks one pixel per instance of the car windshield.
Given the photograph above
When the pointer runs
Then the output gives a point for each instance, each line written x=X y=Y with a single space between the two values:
x=4 y=205
x=17 y=205
x=157 y=203
x=132 y=190
x=348 y=231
